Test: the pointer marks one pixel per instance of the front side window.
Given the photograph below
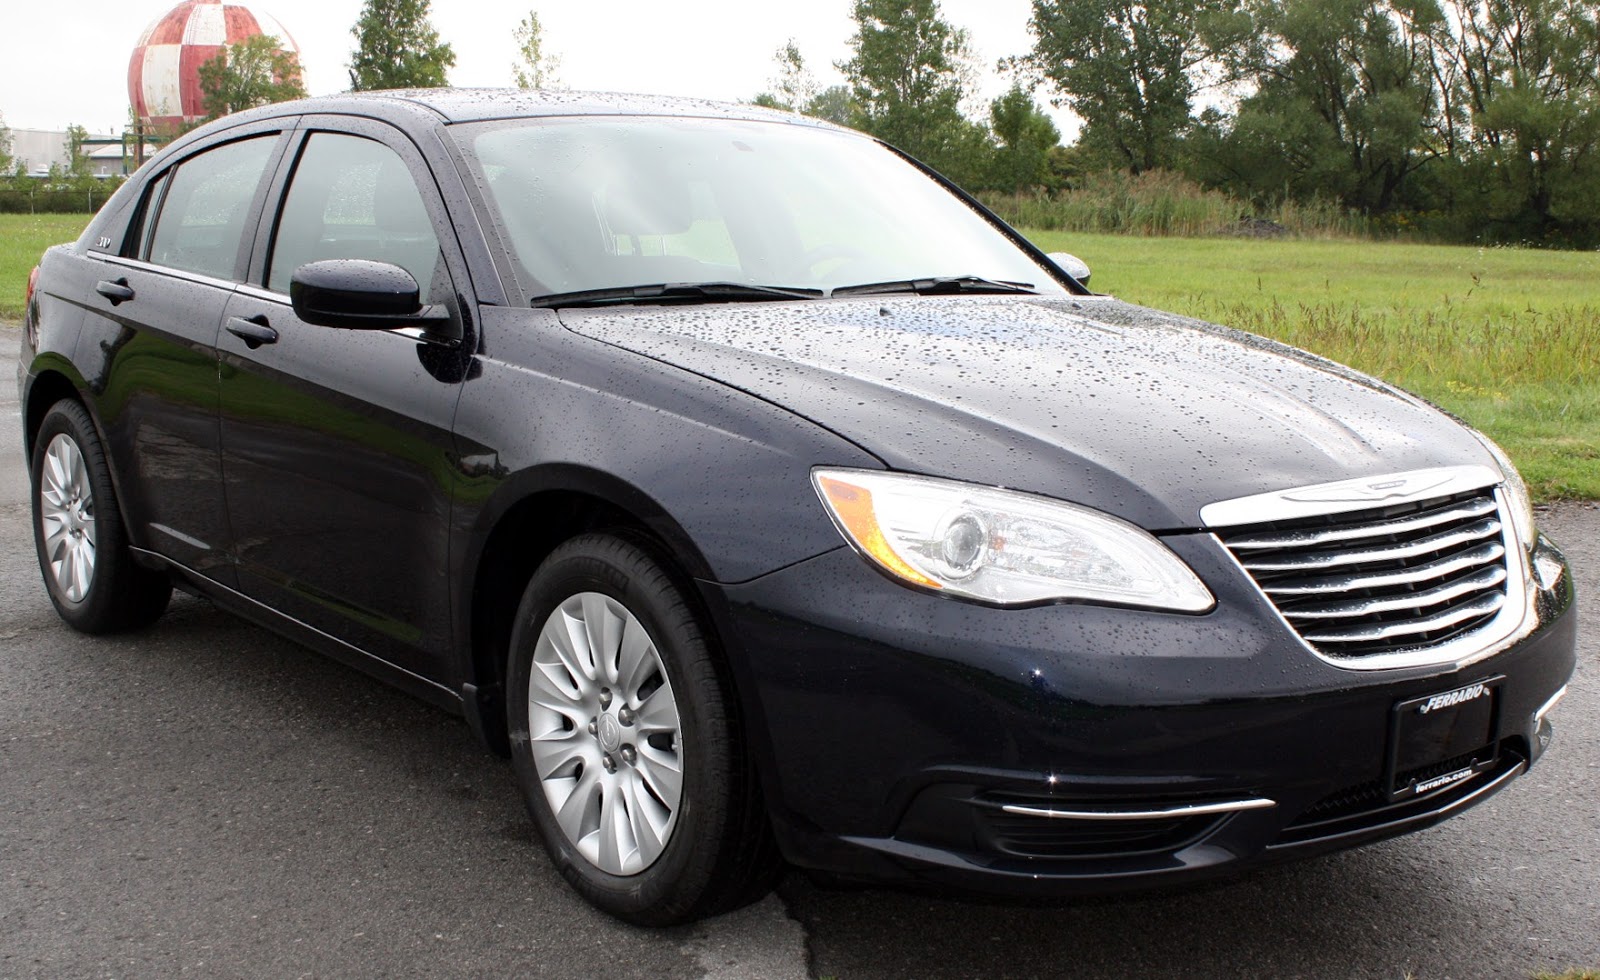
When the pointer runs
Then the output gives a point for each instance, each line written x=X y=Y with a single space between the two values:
x=202 y=221
x=607 y=202
x=354 y=198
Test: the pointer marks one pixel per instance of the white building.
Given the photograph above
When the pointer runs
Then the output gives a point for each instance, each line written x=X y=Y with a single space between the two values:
x=41 y=149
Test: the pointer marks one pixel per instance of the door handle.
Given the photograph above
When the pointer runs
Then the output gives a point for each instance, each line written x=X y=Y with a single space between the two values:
x=116 y=292
x=254 y=332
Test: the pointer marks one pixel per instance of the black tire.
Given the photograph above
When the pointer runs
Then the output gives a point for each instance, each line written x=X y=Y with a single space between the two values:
x=719 y=852
x=118 y=594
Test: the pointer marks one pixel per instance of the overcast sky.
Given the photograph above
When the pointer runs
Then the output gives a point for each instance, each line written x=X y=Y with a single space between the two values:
x=67 y=62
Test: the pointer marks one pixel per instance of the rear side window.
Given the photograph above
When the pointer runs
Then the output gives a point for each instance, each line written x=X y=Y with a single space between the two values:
x=201 y=224
x=354 y=198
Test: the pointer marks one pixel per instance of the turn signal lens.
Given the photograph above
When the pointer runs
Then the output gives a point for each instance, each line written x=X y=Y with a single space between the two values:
x=851 y=506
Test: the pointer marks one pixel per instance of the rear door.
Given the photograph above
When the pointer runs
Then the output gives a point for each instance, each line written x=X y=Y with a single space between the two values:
x=336 y=444
x=148 y=347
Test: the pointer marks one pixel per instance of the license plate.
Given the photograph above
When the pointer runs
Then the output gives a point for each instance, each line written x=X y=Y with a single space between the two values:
x=1460 y=727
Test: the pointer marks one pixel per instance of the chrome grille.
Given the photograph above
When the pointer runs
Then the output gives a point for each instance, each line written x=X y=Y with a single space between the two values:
x=1373 y=582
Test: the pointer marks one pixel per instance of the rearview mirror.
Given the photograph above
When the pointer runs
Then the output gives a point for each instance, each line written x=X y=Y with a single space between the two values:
x=358 y=294
x=1071 y=265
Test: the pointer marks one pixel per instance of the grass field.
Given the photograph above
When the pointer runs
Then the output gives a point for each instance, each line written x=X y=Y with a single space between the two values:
x=1508 y=339
x=23 y=238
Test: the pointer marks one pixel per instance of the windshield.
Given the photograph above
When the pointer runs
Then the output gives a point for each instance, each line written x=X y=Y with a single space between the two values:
x=617 y=202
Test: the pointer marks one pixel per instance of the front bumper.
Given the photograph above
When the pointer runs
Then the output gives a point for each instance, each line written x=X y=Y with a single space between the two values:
x=908 y=738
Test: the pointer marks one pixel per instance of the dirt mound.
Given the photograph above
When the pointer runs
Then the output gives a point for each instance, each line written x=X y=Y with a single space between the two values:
x=1258 y=228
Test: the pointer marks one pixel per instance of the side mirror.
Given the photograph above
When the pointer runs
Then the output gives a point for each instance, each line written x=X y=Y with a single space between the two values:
x=1071 y=265
x=358 y=294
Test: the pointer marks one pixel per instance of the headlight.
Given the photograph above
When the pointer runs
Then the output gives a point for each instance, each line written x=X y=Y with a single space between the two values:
x=1521 y=504
x=1003 y=547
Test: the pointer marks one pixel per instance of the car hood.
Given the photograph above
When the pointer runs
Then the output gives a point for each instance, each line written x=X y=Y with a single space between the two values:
x=1139 y=413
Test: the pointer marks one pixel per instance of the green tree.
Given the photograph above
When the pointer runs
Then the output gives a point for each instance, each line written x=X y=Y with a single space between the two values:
x=397 y=47
x=795 y=89
x=1528 y=79
x=1346 y=100
x=5 y=145
x=77 y=160
x=254 y=72
x=1026 y=137
x=835 y=104
x=1128 y=69
x=535 y=67
x=906 y=76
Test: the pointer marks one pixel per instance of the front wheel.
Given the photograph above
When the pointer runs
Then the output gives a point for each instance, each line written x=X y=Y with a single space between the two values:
x=625 y=741
x=83 y=551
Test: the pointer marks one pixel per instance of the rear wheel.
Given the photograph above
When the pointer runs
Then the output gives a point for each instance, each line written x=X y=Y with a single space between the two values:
x=78 y=534
x=625 y=743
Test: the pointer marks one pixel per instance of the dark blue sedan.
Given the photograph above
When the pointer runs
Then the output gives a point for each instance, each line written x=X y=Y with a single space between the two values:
x=766 y=499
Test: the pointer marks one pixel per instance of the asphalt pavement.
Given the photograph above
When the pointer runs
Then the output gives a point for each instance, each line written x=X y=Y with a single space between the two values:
x=205 y=799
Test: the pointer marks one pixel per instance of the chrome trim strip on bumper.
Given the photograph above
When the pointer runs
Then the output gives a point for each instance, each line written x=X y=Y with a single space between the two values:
x=1163 y=813
x=1544 y=709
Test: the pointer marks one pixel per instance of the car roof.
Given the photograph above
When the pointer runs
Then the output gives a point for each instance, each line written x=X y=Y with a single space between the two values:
x=454 y=105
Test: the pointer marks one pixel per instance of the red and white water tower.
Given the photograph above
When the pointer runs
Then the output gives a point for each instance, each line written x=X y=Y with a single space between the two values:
x=164 y=72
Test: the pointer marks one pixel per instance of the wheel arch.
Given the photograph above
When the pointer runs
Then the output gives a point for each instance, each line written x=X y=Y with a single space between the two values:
x=528 y=518
x=50 y=385
x=54 y=380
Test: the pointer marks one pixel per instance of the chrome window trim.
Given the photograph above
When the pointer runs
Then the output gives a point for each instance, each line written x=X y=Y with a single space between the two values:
x=1345 y=496
x=1514 y=623
x=166 y=270
x=256 y=292
x=1161 y=813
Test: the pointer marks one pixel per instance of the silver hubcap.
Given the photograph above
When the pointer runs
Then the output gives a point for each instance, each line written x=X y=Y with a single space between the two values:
x=604 y=734
x=66 y=513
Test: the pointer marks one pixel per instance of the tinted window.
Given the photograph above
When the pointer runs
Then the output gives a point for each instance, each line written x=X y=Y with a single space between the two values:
x=202 y=220
x=353 y=198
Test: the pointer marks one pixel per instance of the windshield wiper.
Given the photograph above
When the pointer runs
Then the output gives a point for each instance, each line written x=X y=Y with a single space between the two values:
x=674 y=292
x=937 y=286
